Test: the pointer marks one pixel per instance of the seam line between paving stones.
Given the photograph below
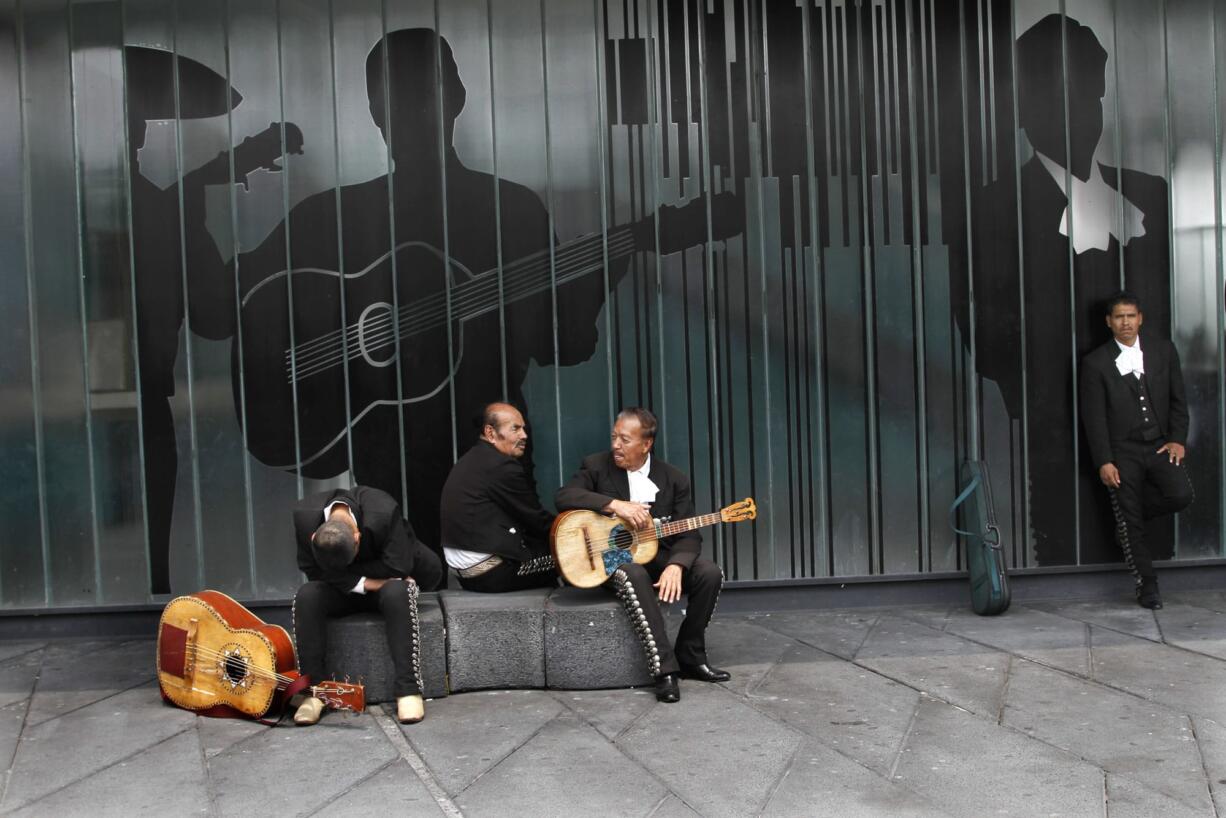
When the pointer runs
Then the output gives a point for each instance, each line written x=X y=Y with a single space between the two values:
x=392 y=730
x=118 y=692
x=24 y=654
x=99 y=771
x=1004 y=689
x=1014 y=730
x=208 y=769
x=779 y=779
x=872 y=628
x=8 y=769
x=906 y=738
x=1204 y=766
x=509 y=753
x=336 y=796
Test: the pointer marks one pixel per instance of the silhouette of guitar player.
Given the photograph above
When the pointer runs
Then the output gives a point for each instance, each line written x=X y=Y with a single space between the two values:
x=1066 y=197
x=162 y=262
x=389 y=330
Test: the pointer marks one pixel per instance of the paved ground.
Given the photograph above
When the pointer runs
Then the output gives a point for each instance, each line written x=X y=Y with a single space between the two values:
x=1073 y=709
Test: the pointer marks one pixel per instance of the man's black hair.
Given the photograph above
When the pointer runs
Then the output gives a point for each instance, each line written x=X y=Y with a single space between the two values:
x=334 y=545
x=1121 y=297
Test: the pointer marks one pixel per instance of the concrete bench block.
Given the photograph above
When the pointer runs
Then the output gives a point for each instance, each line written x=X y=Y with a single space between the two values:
x=495 y=640
x=589 y=642
x=357 y=648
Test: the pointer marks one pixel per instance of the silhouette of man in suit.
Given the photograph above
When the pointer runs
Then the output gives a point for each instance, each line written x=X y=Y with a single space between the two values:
x=449 y=223
x=1066 y=199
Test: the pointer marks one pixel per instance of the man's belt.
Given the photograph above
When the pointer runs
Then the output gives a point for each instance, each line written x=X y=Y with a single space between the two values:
x=488 y=564
x=532 y=566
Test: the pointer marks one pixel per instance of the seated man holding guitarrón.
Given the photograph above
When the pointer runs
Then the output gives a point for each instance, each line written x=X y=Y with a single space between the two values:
x=628 y=482
x=359 y=554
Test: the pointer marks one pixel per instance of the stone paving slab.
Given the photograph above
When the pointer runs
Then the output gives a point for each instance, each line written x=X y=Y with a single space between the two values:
x=836 y=632
x=1194 y=628
x=746 y=650
x=821 y=780
x=1118 y=732
x=939 y=664
x=77 y=676
x=174 y=767
x=392 y=790
x=18 y=675
x=60 y=751
x=1187 y=682
x=611 y=712
x=1130 y=799
x=566 y=769
x=462 y=737
x=860 y=713
x=1122 y=615
x=312 y=765
x=1043 y=637
x=972 y=767
x=741 y=753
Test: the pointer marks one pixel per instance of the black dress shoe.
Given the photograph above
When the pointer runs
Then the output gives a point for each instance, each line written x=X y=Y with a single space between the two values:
x=1147 y=594
x=667 y=689
x=705 y=673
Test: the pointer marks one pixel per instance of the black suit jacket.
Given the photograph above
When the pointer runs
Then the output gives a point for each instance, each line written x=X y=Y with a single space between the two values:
x=600 y=480
x=1109 y=405
x=489 y=505
x=388 y=547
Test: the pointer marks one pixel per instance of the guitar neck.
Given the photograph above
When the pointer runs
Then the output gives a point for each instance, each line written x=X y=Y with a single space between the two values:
x=681 y=526
x=541 y=271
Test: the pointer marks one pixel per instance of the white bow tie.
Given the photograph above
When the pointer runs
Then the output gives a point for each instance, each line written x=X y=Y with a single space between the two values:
x=1130 y=360
x=1093 y=204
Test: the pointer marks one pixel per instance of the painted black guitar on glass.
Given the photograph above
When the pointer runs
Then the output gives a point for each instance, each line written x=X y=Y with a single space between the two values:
x=313 y=361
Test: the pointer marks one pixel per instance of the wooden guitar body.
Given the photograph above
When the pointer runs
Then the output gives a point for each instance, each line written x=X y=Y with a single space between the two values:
x=587 y=550
x=213 y=652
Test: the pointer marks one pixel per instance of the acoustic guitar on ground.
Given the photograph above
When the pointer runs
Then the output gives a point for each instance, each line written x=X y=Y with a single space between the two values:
x=216 y=657
x=588 y=547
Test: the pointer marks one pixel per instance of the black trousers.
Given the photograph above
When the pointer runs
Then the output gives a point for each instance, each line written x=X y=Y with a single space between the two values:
x=1150 y=486
x=506 y=577
x=701 y=584
x=396 y=600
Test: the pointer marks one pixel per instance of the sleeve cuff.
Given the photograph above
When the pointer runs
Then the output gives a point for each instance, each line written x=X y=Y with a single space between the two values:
x=360 y=588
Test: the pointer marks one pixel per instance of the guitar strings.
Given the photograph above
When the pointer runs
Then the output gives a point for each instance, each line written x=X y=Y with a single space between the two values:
x=256 y=670
x=579 y=247
x=520 y=279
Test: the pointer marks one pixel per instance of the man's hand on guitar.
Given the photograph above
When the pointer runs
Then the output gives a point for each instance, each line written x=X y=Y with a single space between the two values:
x=669 y=584
x=635 y=515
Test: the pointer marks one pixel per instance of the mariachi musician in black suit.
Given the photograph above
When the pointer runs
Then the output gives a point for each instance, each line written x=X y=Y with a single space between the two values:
x=495 y=533
x=359 y=554
x=1136 y=421
x=628 y=482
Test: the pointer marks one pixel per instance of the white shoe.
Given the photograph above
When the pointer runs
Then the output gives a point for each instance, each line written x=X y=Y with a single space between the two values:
x=410 y=709
x=308 y=712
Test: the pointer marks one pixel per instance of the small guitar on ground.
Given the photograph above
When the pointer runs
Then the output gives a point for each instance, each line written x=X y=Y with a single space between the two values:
x=588 y=547
x=219 y=659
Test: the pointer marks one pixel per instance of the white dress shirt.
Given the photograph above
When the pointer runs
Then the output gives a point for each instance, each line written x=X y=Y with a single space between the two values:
x=642 y=490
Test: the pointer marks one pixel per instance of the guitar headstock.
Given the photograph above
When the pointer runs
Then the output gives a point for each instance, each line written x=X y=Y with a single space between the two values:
x=341 y=696
x=738 y=512
x=683 y=227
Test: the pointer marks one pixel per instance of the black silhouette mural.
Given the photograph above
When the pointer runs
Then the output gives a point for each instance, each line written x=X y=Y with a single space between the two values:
x=837 y=247
x=171 y=246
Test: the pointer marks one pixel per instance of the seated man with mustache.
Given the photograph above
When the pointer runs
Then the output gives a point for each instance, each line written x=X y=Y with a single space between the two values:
x=494 y=531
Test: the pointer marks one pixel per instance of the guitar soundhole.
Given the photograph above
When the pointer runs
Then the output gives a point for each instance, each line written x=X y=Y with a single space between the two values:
x=235 y=668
